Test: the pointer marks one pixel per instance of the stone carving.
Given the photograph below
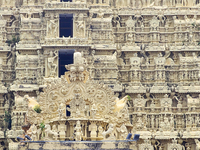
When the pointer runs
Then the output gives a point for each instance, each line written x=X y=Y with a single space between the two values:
x=108 y=132
x=146 y=145
x=166 y=103
x=8 y=3
x=122 y=132
x=52 y=28
x=33 y=132
x=80 y=26
x=78 y=133
x=144 y=48
x=86 y=100
x=192 y=102
x=197 y=144
x=60 y=111
x=52 y=66
x=139 y=101
x=1 y=134
x=130 y=24
x=174 y=145
x=154 y=23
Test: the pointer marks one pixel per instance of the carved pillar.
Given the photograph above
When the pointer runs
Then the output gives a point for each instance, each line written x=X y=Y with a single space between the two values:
x=93 y=129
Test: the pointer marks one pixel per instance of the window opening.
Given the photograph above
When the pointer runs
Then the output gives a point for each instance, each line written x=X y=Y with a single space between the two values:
x=65 y=0
x=66 y=25
x=65 y=58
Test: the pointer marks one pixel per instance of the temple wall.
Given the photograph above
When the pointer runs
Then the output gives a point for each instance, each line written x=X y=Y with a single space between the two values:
x=147 y=49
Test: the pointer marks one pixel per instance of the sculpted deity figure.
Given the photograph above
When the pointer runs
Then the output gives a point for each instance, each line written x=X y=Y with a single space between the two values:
x=93 y=111
x=78 y=131
x=80 y=26
x=60 y=111
x=55 y=132
x=93 y=129
x=52 y=28
x=47 y=130
x=34 y=132
x=51 y=65
x=100 y=132
x=122 y=132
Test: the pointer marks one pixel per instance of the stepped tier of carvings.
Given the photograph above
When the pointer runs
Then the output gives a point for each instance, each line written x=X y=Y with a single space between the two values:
x=143 y=48
x=65 y=6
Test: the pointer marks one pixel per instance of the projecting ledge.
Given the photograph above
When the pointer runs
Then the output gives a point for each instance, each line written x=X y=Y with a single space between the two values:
x=83 y=145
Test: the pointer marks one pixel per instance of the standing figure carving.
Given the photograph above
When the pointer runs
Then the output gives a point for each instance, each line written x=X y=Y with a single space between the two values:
x=52 y=28
x=78 y=133
x=51 y=65
x=80 y=26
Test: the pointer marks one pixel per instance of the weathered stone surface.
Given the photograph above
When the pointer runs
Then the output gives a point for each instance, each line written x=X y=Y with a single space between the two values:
x=147 y=49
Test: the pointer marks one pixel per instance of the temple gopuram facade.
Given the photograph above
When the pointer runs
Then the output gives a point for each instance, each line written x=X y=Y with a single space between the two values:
x=146 y=49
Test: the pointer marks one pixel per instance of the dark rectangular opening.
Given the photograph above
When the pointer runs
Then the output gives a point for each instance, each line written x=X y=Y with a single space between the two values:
x=66 y=57
x=66 y=25
x=65 y=0
x=68 y=113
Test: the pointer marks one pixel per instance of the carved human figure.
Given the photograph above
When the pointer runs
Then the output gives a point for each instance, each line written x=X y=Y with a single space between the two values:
x=60 y=111
x=80 y=26
x=122 y=132
x=47 y=130
x=55 y=132
x=51 y=65
x=93 y=111
x=34 y=132
x=100 y=129
x=78 y=132
x=93 y=129
x=52 y=28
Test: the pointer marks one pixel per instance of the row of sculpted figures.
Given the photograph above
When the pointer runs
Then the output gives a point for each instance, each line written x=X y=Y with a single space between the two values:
x=150 y=3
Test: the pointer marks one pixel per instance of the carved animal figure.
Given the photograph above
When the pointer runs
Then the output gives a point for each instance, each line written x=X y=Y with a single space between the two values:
x=192 y=101
x=48 y=131
x=32 y=102
x=108 y=132
x=120 y=104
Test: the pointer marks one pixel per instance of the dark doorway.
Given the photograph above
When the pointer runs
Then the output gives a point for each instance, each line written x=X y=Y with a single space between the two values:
x=66 y=25
x=65 y=0
x=68 y=113
x=65 y=58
